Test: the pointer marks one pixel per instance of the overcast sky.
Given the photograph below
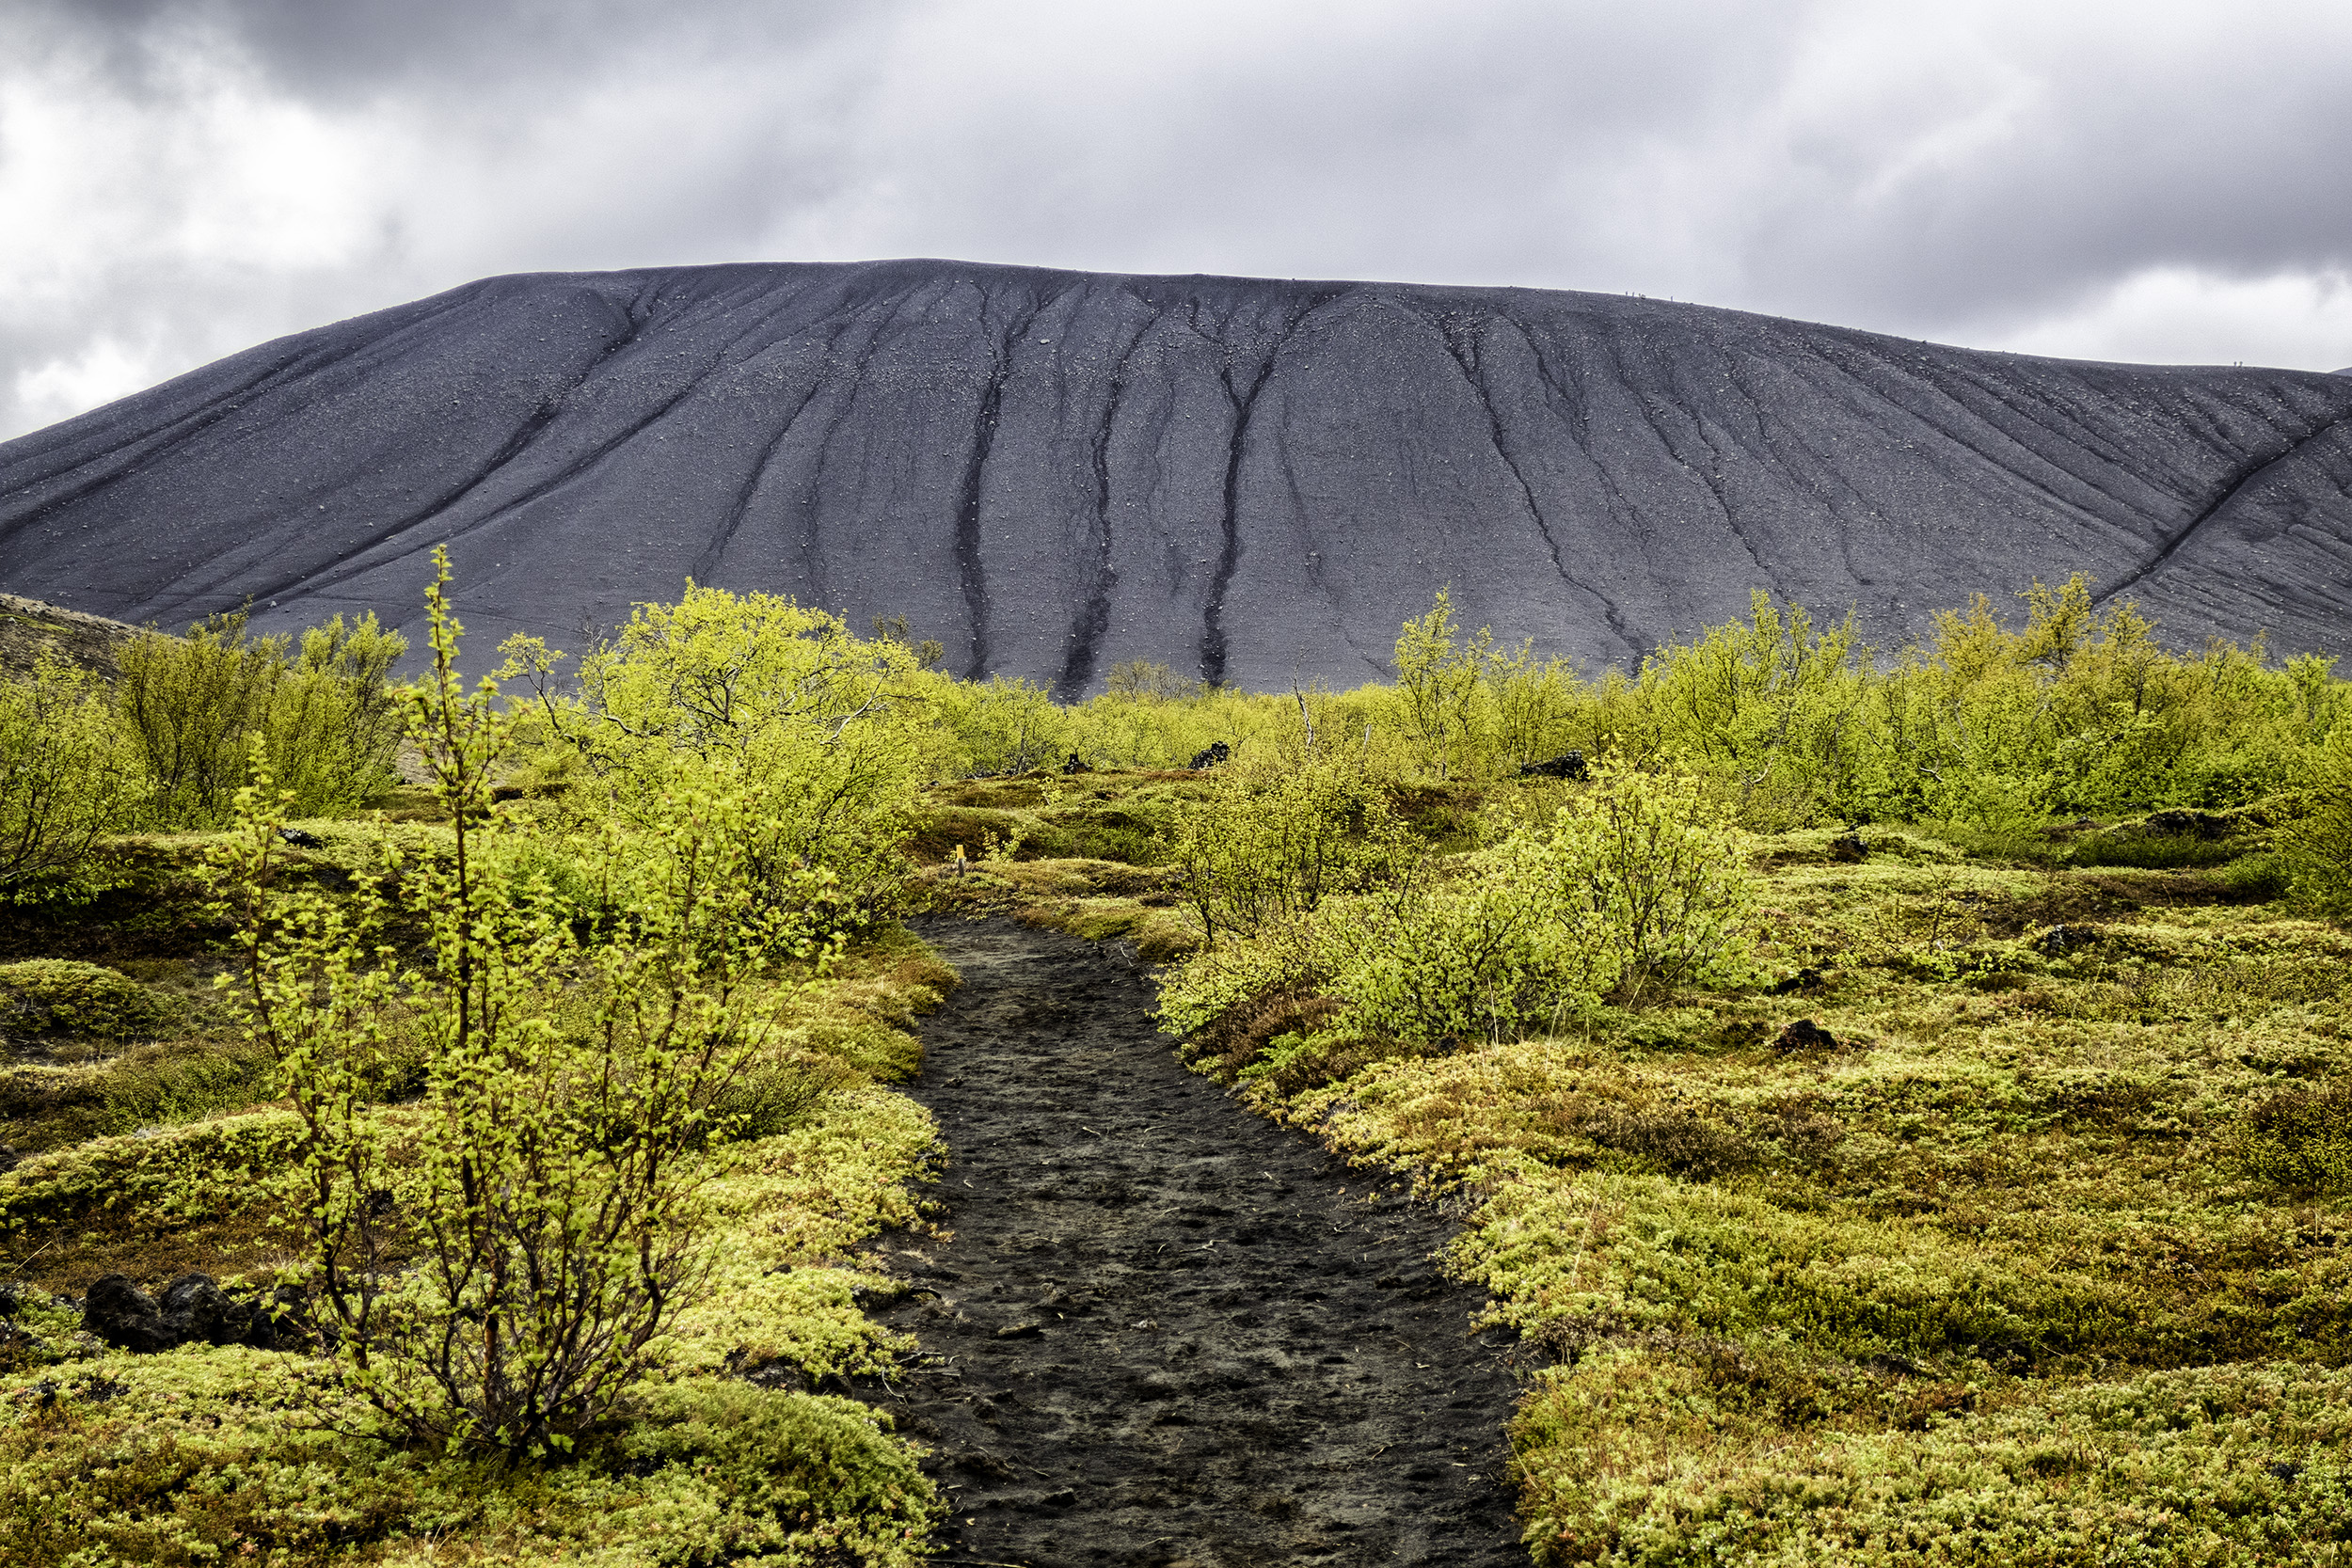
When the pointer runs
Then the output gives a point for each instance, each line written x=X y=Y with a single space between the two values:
x=179 y=178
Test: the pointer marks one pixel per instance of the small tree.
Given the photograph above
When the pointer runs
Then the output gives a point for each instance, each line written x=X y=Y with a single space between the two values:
x=1661 y=875
x=1262 y=850
x=65 y=778
x=1438 y=685
x=191 y=704
x=545 y=1181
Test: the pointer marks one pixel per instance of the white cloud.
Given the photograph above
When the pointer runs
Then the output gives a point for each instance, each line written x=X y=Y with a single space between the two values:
x=209 y=172
x=2185 y=316
x=103 y=371
x=183 y=178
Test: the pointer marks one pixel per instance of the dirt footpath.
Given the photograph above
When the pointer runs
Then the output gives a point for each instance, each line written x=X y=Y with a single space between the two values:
x=1169 y=1331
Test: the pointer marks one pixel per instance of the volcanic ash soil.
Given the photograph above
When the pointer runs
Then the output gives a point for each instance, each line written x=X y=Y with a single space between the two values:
x=1166 y=1331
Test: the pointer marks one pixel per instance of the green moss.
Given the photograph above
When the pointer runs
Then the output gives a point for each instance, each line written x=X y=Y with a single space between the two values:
x=214 y=1455
x=170 y=1177
x=2077 y=1147
x=2302 y=1140
x=1690 y=1455
x=63 y=997
x=51 y=1107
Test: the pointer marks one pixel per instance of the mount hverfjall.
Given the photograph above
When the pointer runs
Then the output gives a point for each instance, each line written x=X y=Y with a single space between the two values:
x=1054 y=471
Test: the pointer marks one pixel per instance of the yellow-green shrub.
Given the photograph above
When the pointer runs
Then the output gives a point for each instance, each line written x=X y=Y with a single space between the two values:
x=327 y=723
x=2315 y=844
x=66 y=779
x=1636 y=883
x=564 y=1085
x=1658 y=875
x=1267 y=847
x=755 y=697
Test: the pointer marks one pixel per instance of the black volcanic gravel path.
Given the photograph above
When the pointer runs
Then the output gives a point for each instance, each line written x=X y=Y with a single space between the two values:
x=1166 y=1331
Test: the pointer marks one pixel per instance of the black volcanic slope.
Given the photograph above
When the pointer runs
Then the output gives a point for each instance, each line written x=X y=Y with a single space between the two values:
x=1054 y=471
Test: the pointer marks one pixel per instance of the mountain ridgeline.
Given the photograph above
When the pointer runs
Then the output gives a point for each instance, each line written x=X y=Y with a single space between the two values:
x=1051 y=472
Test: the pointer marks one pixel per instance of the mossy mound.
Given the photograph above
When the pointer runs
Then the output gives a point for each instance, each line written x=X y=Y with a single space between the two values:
x=64 y=996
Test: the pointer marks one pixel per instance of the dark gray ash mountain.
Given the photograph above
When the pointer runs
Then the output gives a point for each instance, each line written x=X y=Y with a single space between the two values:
x=1051 y=471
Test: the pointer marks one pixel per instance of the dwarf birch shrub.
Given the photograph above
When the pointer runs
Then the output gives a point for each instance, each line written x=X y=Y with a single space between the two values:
x=1507 y=946
x=1437 y=688
x=327 y=721
x=1534 y=703
x=1007 y=725
x=190 y=704
x=1638 y=883
x=1662 y=879
x=334 y=724
x=544 y=1182
x=752 y=697
x=66 y=780
x=2316 y=845
x=1264 y=851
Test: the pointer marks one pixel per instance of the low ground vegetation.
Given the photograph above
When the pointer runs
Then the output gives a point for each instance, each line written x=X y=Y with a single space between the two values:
x=517 y=1147
x=1964 y=1179
x=1905 y=1093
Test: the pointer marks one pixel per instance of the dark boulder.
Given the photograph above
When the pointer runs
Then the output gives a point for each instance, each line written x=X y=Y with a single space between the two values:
x=1808 y=981
x=2058 y=941
x=1849 y=847
x=1215 y=756
x=2201 y=825
x=1567 y=765
x=197 y=1309
x=194 y=1311
x=282 y=1322
x=125 y=1316
x=301 y=840
x=1802 y=1036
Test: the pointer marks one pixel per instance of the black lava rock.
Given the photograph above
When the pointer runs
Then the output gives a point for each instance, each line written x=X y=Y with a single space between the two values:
x=125 y=1316
x=2187 y=824
x=193 y=1309
x=197 y=1309
x=1802 y=1036
x=1806 y=981
x=2058 y=941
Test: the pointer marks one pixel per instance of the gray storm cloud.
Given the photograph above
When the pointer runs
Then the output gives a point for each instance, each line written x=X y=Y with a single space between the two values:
x=186 y=176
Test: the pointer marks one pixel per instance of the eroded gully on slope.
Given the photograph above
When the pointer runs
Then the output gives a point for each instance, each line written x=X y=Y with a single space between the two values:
x=1166 y=1331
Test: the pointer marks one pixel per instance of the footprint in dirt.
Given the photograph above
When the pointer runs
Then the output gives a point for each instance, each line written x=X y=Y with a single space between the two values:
x=1169 y=1332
